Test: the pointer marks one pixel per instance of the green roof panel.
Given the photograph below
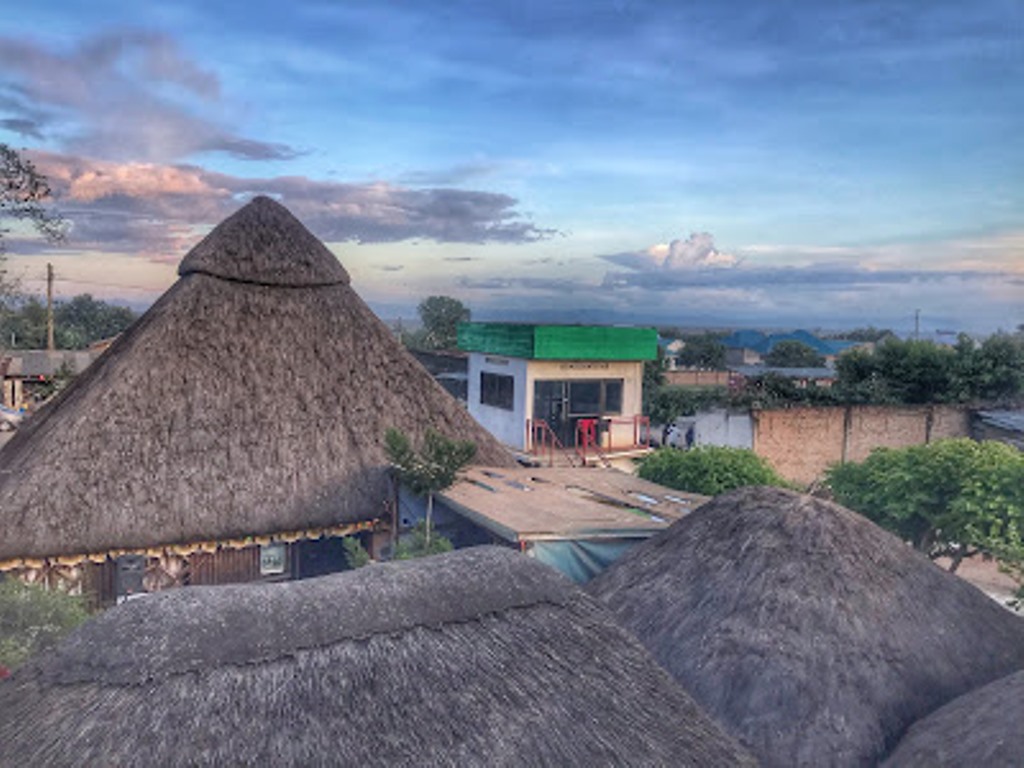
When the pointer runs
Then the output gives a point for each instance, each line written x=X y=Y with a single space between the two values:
x=559 y=342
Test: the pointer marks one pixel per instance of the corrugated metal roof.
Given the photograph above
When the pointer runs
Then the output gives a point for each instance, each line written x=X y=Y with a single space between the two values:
x=1012 y=421
x=544 y=503
x=764 y=343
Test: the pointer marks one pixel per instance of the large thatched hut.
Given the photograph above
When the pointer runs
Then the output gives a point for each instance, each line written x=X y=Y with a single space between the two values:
x=983 y=727
x=811 y=634
x=478 y=657
x=244 y=413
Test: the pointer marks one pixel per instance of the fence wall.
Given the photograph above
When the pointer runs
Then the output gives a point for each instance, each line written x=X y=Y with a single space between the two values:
x=801 y=443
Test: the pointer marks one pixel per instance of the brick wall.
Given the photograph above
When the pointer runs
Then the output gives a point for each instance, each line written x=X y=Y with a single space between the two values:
x=802 y=442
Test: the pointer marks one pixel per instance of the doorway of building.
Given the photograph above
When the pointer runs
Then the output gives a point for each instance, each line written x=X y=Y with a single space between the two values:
x=562 y=403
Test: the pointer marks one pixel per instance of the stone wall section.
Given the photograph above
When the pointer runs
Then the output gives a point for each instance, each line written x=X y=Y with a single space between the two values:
x=801 y=443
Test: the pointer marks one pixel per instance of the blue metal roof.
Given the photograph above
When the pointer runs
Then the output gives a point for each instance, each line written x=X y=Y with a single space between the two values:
x=1011 y=421
x=764 y=343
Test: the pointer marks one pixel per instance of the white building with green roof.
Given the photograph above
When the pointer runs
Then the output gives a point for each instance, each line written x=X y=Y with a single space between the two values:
x=579 y=385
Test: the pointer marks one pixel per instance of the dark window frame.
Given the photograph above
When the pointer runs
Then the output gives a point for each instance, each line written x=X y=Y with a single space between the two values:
x=497 y=390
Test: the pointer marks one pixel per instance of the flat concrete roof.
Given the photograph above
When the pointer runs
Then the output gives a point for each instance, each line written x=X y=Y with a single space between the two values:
x=559 y=503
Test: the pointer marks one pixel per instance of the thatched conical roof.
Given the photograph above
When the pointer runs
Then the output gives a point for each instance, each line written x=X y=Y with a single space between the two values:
x=811 y=634
x=252 y=397
x=984 y=727
x=478 y=657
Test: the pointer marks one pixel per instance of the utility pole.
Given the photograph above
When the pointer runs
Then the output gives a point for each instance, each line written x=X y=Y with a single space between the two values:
x=917 y=325
x=50 y=346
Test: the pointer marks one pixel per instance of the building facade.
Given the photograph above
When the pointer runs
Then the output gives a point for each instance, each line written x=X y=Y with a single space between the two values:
x=575 y=383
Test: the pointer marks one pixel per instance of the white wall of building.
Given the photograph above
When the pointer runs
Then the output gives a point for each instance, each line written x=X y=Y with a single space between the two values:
x=510 y=426
x=733 y=429
x=507 y=426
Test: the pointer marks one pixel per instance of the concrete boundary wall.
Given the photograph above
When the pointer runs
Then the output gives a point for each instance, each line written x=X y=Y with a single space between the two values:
x=801 y=443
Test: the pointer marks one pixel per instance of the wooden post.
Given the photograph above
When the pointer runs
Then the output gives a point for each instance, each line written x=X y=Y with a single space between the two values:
x=50 y=346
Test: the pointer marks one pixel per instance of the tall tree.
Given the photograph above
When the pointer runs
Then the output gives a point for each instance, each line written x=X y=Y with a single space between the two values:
x=433 y=468
x=78 y=322
x=23 y=192
x=441 y=316
x=954 y=498
x=794 y=354
x=703 y=350
x=898 y=371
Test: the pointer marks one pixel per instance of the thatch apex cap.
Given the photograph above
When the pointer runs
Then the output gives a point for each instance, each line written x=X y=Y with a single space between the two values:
x=263 y=243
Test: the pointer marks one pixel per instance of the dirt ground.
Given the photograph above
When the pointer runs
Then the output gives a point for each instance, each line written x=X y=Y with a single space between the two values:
x=986 y=576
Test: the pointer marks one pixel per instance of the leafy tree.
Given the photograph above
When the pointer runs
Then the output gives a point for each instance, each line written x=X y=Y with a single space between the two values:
x=84 y=320
x=954 y=498
x=23 y=190
x=441 y=316
x=672 y=402
x=653 y=379
x=704 y=350
x=356 y=555
x=773 y=391
x=77 y=323
x=708 y=469
x=794 y=354
x=422 y=541
x=24 y=325
x=34 y=619
x=430 y=470
x=991 y=371
x=898 y=371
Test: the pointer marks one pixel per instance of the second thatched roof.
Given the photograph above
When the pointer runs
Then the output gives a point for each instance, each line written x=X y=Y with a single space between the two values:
x=253 y=397
x=479 y=657
x=984 y=727
x=812 y=635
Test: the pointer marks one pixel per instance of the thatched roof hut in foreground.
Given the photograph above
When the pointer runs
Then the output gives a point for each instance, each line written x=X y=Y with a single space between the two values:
x=811 y=634
x=252 y=398
x=984 y=727
x=478 y=657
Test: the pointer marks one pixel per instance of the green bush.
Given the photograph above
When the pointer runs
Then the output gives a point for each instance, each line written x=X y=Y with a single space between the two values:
x=709 y=469
x=34 y=619
x=951 y=498
x=356 y=555
x=418 y=544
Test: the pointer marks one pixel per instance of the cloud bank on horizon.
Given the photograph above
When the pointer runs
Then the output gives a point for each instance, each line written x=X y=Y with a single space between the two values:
x=538 y=162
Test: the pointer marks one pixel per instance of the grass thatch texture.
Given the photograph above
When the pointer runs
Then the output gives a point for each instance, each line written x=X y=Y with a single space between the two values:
x=811 y=634
x=984 y=727
x=478 y=657
x=229 y=408
x=264 y=244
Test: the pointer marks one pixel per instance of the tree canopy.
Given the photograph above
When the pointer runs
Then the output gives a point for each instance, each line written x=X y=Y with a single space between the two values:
x=78 y=322
x=916 y=372
x=703 y=350
x=431 y=469
x=23 y=190
x=794 y=354
x=954 y=498
x=441 y=316
x=708 y=469
x=34 y=619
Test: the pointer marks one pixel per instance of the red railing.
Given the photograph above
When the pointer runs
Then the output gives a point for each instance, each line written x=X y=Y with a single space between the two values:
x=543 y=438
x=589 y=438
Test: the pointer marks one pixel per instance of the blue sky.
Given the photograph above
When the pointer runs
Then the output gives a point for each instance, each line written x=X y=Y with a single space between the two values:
x=727 y=164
